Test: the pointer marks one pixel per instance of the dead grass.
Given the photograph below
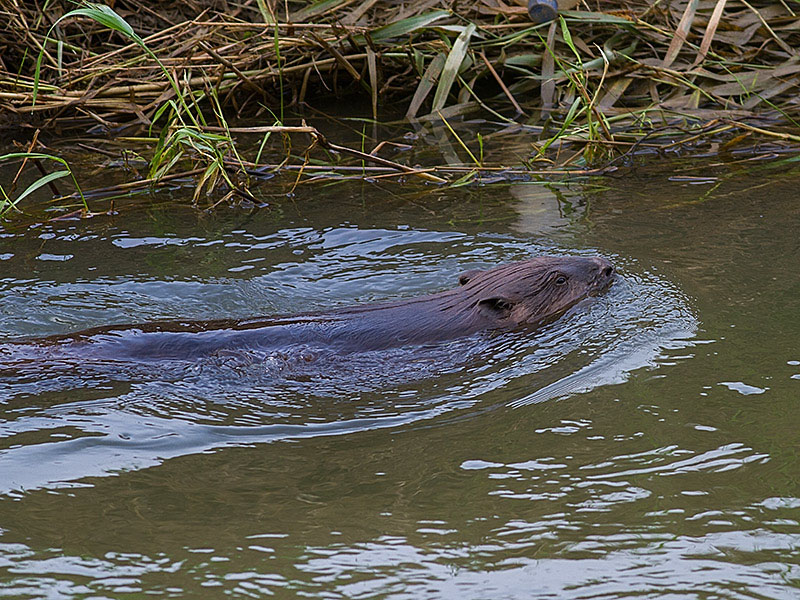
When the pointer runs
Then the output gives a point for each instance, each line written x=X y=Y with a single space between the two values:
x=600 y=82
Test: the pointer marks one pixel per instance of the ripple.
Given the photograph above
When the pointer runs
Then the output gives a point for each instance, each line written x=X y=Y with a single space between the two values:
x=99 y=417
x=640 y=566
x=629 y=328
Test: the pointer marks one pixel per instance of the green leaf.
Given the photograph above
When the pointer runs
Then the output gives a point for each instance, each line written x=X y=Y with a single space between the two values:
x=41 y=182
x=464 y=180
x=426 y=84
x=523 y=60
x=401 y=28
x=451 y=68
x=572 y=112
x=266 y=13
x=34 y=155
x=566 y=34
x=106 y=16
x=47 y=178
x=316 y=8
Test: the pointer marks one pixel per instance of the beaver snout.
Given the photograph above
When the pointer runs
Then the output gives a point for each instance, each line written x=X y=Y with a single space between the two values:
x=604 y=266
x=604 y=271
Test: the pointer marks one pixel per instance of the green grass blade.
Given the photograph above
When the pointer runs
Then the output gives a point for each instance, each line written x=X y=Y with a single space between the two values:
x=451 y=67
x=464 y=180
x=266 y=13
x=106 y=16
x=403 y=27
x=42 y=181
x=460 y=141
x=426 y=83
x=317 y=8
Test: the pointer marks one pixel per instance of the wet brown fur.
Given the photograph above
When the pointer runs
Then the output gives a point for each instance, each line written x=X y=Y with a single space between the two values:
x=521 y=294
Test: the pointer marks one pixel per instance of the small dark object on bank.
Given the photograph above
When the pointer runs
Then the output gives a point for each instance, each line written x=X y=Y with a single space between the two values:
x=542 y=11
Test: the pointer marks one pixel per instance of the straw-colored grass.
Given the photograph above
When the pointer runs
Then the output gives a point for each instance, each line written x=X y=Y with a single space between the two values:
x=603 y=79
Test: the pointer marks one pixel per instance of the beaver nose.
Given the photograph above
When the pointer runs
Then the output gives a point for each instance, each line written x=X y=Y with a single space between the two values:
x=604 y=266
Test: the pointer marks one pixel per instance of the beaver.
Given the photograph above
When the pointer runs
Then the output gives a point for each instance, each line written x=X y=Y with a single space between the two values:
x=527 y=294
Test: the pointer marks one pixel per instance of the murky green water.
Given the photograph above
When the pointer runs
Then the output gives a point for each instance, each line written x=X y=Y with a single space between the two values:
x=645 y=445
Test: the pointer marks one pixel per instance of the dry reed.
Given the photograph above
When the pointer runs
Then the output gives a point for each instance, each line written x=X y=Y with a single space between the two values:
x=607 y=78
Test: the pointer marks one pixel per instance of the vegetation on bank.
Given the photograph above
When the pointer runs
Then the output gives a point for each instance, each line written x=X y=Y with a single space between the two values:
x=599 y=83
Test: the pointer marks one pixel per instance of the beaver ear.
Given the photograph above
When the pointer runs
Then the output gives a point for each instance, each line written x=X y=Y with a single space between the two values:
x=498 y=306
x=466 y=276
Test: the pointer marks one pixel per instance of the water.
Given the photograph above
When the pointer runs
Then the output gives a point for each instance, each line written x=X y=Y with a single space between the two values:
x=646 y=444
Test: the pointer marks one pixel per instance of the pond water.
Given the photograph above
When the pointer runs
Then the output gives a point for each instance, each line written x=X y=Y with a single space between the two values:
x=645 y=444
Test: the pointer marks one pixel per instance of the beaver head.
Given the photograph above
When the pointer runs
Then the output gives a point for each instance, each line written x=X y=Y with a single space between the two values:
x=533 y=291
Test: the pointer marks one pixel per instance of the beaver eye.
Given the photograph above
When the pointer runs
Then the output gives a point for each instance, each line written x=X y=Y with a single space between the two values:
x=561 y=280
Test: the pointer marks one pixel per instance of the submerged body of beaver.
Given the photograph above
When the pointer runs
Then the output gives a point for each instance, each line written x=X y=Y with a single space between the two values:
x=527 y=293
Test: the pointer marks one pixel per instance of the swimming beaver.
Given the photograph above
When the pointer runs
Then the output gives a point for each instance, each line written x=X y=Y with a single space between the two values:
x=527 y=293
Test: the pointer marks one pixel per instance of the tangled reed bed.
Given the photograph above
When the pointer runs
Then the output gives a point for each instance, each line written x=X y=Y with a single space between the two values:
x=606 y=78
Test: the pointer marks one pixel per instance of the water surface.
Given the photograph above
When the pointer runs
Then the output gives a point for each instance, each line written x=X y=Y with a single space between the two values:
x=643 y=445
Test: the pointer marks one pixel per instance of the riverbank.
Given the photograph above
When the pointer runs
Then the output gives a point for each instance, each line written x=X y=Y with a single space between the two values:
x=600 y=83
